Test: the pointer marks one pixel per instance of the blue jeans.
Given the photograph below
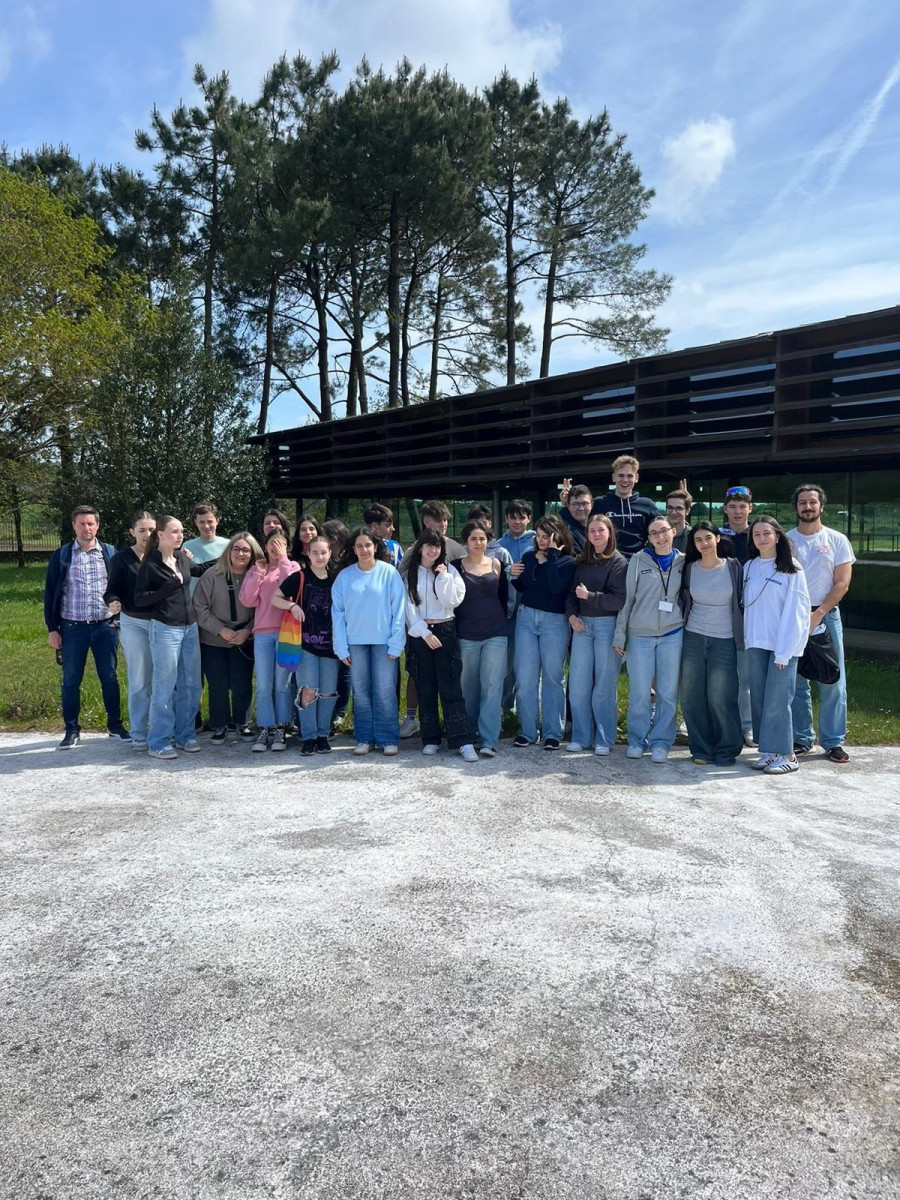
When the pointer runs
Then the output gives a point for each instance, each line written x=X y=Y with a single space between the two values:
x=542 y=639
x=78 y=637
x=709 y=697
x=374 y=678
x=321 y=674
x=594 y=683
x=771 y=695
x=273 y=684
x=650 y=658
x=135 y=638
x=177 y=683
x=483 y=671
x=744 y=692
x=832 y=698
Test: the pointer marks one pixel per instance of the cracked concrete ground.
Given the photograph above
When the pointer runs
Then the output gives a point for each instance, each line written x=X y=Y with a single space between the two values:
x=545 y=977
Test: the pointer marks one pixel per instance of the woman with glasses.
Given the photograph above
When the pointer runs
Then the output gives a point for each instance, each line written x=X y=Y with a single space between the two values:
x=226 y=628
x=711 y=589
x=776 y=630
x=543 y=579
x=648 y=636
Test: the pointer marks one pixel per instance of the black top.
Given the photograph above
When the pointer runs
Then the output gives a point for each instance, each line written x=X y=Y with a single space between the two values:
x=316 y=605
x=738 y=542
x=121 y=580
x=605 y=583
x=482 y=613
x=160 y=592
x=631 y=517
x=544 y=585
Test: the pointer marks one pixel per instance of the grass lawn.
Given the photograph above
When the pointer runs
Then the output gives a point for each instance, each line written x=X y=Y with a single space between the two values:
x=30 y=678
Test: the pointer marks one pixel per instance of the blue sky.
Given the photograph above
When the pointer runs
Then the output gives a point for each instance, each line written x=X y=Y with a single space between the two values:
x=770 y=128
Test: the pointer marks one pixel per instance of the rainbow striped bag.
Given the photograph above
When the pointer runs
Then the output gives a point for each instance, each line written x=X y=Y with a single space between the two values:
x=289 y=647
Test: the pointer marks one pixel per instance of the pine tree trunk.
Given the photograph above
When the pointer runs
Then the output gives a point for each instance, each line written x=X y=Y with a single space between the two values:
x=270 y=354
x=510 y=287
x=211 y=252
x=405 y=351
x=17 y=522
x=352 y=383
x=394 y=315
x=435 y=340
x=547 y=341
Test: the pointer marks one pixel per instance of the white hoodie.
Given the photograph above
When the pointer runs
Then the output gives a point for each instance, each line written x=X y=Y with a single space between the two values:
x=439 y=595
x=776 y=609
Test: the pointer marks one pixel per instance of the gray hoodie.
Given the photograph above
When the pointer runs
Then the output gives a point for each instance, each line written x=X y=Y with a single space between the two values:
x=645 y=587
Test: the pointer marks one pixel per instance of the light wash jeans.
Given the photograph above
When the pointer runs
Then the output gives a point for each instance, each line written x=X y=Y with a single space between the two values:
x=134 y=636
x=374 y=678
x=319 y=673
x=177 y=684
x=542 y=639
x=274 y=702
x=744 y=708
x=650 y=658
x=771 y=694
x=832 y=698
x=483 y=671
x=594 y=683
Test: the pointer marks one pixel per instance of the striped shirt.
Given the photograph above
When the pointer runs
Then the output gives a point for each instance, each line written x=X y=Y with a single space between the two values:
x=82 y=598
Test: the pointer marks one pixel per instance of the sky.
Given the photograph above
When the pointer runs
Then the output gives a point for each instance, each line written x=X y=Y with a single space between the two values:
x=770 y=129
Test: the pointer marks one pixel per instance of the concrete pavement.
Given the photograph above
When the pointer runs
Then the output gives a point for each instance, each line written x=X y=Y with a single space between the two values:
x=547 y=976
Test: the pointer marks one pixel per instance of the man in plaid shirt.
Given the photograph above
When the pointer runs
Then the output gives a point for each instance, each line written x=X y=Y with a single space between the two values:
x=78 y=621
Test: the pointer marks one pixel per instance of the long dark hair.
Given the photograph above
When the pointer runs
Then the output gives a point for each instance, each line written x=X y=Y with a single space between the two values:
x=382 y=554
x=589 y=556
x=724 y=549
x=331 y=567
x=282 y=521
x=555 y=528
x=153 y=540
x=297 y=550
x=784 y=558
x=428 y=537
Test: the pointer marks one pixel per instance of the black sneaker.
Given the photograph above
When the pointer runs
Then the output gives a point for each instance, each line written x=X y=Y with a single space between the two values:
x=121 y=733
x=521 y=740
x=308 y=747
x=70 y=741
x=798 y=749
x=551 y=743
x=837 y=754
x=219 y=735
x=323 y=746
x=246 y=733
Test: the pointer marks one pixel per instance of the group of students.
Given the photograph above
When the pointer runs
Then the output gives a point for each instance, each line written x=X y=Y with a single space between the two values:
x=486 y=624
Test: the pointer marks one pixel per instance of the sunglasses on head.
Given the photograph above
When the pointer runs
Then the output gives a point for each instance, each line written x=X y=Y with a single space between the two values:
x=738 y=493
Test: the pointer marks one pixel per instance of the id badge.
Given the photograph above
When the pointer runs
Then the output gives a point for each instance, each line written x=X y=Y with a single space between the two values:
x=666 y=606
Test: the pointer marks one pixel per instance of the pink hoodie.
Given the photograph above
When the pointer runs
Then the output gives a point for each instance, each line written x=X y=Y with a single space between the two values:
x=259 y=586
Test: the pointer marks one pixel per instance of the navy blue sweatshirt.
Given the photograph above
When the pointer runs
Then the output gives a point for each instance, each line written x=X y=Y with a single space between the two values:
x=544 y=586
x=631 y=517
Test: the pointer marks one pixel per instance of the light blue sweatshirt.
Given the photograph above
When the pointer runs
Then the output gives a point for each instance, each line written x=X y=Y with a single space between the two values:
x=368 y=608
x=517 y=548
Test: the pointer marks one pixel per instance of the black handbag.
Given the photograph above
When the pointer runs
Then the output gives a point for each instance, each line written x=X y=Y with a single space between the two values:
x=819 y=660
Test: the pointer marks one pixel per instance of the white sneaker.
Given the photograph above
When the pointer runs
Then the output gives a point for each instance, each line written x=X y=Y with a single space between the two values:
x=782 y=765
x=634 y=752
x=488 y=751
x=659 y=754
x=682 y=729
x=390 y=751
x=575 y=747
x=602 y=751
x=362 y=747
x=468 y=753
x=748 y=739
x=430 y=748
x=409 y=728
x=763 y=761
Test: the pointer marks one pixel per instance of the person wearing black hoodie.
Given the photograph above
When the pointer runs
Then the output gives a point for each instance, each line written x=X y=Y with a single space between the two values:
x=630 y=513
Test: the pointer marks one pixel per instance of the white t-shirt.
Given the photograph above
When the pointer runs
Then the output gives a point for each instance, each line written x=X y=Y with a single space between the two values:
x=818 y=554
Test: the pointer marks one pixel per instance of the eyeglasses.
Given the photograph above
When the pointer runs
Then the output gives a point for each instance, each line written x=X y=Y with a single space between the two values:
x=738 y=493
x=679 y=508
x=241 y=550
x=580 y=504
x=657 y=533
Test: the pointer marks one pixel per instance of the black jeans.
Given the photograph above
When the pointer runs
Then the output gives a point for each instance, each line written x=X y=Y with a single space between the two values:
x=229 y=674
x=437 y=673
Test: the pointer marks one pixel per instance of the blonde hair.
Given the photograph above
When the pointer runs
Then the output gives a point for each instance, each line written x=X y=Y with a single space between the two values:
x=223 y=562
x=625 y=460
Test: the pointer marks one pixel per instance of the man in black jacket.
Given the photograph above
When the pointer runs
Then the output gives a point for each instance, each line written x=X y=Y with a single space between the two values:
x=78 y=620
x=630 y=513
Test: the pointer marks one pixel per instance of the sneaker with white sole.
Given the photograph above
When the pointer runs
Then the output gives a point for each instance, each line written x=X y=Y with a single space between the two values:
x=763 y=761
x=782 y=765
x=409 y=728
x=166 y=752
x=488 y=751
x=468 y=753
x=262 y=741
x=634 y=752
x=391 y=750
x=137 y=744
x=575 y=748
x=362 y=747
x=279 y=739
x=430 y=748
x=191 y=747
x=748 y=739
x=602 y=751
x=659 y=754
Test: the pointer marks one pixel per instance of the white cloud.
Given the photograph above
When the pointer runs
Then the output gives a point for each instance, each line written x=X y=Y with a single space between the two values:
x=693 y=164
x=475 y=39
